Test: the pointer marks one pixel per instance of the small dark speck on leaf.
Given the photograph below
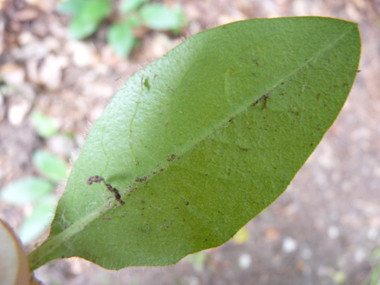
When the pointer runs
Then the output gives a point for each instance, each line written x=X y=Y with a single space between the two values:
x=243 y=149
x=187 y=203
x=146 y=84
x=264 y=98
x=291 y=110
x=171 y=157
x=142 y=179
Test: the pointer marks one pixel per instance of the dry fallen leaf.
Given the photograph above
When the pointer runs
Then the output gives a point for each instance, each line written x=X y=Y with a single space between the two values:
x=14 y=264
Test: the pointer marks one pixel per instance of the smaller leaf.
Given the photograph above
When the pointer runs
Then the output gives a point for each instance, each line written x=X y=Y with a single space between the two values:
x=159 y=17
x=71 y=7
x=133 y=21
x=80 y=28
x=34 y=225
x=131 y=5
x=45 y=126
x=50 y=165
x=26 y=190
x=89 y=18
x=121 y=38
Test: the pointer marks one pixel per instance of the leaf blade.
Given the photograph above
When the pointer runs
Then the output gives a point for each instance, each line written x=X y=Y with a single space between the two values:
x=203 y=139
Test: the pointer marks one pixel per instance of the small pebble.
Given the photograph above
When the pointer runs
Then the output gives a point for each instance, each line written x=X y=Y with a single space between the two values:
x=245 y=261
x=289 y=245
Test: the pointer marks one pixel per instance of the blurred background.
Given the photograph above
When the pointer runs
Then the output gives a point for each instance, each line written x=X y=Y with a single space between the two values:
x=61 y=63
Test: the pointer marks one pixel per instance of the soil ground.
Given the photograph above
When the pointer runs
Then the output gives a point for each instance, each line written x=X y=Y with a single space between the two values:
x=322 y=230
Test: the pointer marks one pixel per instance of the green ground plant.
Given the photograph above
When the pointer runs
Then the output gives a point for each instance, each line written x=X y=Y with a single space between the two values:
x=130 y=14
x=38 y=190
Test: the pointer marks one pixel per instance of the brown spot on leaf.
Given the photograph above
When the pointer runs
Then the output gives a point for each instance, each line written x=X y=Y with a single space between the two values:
x=171 y=157
x=142 y=179
x=114 y=191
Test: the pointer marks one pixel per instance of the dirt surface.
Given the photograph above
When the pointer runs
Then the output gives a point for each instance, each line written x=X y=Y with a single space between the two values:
x=322 y=230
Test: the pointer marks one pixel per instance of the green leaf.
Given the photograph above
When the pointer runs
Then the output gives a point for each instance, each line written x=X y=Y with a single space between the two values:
x=26 y=190
x=133 y=21
x=71 y=7
x=202 y=140
x=38 y=222
x=45 y=126
x=121 y=38
x=89 y=18
x=50 y=165
x=159 y=17
x=131 y=5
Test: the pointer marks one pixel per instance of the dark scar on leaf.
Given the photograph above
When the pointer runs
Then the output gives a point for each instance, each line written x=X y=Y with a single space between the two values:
x=264 y=98
x=114 y=191
x=171 y=157
x=142 y=179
